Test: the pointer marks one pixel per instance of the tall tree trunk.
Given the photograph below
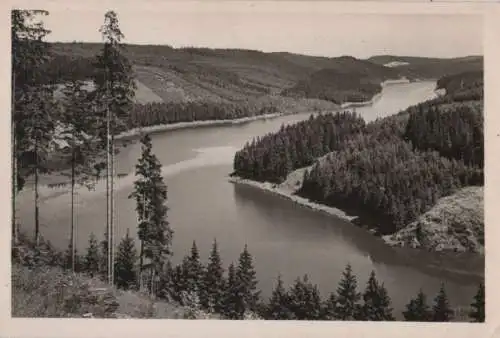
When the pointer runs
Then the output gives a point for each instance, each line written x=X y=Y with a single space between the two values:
x=14 y=161
x=108 y=207
x=37 y=216
x=141 y=263
x=111 y=205
x=72 y=231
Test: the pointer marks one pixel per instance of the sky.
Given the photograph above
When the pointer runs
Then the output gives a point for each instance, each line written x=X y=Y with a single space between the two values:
x=314 y=33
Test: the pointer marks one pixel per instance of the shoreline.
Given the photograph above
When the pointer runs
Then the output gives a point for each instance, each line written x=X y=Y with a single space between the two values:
x=377 y=96
x=279 y=190
x=195 y=124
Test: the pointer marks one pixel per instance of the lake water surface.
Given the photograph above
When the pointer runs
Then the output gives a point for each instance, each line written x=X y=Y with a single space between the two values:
x=283 y=237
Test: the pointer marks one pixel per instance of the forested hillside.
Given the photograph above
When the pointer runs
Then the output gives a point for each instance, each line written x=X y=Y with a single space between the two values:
x=395 y=168
x=242 y=76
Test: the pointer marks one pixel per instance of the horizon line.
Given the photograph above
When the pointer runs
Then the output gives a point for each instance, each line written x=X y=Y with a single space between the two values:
x=166 y=45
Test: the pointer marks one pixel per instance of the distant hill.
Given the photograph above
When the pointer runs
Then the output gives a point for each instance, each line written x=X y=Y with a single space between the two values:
x=432 y=68
x=236 y=75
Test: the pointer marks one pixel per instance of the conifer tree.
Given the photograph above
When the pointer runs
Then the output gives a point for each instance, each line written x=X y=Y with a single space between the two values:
x=348 y=297
x=166 y=281
x=279 y=303
x=150 y=194
x=247 y=280
x=329 y=307
x=376 y=306
x=28 y=52
x=76 y=119
x=233 y=302
x=441 y=309
x=305 y=301
x=125 y=264
x=92 y=259
x=178 y=283
x=193 y=270
x=478 y=306
x=115 y=91
x=213 y=285
x=417 y=309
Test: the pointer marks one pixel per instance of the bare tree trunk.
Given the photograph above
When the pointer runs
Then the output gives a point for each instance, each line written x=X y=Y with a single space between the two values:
x=111 y=205
x=37 y=216
x=141 y=263
x=14 y=161
x=108 y=206
x=73 y=249
x=14 y=182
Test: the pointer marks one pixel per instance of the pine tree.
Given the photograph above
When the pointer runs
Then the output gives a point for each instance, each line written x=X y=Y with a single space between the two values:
x=279 y=303
x=348 y=297
x=71 y=130
x=115 y=90
x=92 y=259
x=214 y=284
x=193 y=270
x=166 y=281
x=233 y=302
x=305 y=301
x=376 y=306
x=178 y=283
x=417 y=309
x=329 y=307
x=125 y=264
x=441 y=309
x=150 y=194
x=29 y=52
x=247 y=280
x=478 y=312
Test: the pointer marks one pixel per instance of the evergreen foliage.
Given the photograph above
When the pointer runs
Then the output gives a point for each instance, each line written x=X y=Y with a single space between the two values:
x=213 y=282
x=125 y=264
x=150 y=194
x=233 y=302
x=92 y=257
x=441 y=309
x=417 y=309
x=376 y=302
x=273 y=156
x=348 y=306
x=247 y=282
x=193 y=271
x=305 y=300
x=280 y=303
x=478 y=306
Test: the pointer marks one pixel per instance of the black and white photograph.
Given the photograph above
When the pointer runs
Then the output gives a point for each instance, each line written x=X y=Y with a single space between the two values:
x=247 y=164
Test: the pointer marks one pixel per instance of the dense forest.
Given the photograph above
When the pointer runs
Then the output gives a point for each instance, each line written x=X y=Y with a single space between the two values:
x=396 y=168
x=143 y=115
x=273 y=156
